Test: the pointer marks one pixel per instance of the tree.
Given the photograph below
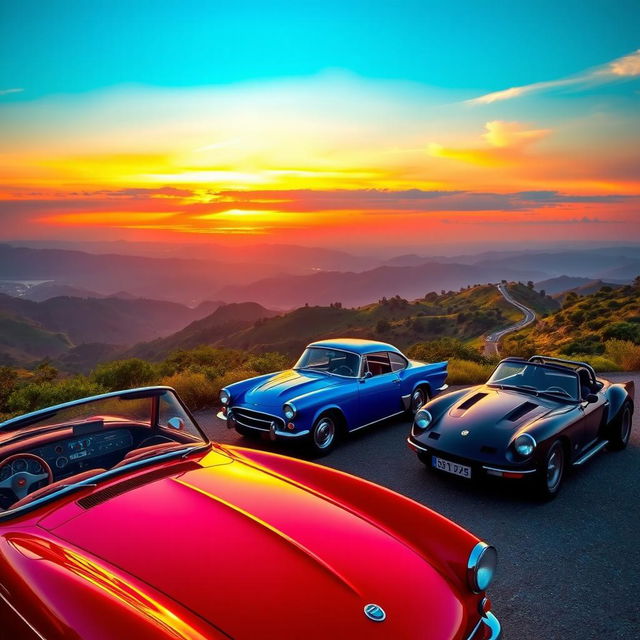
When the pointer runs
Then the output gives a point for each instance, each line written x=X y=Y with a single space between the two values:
x=383 y=326
x=530 y=284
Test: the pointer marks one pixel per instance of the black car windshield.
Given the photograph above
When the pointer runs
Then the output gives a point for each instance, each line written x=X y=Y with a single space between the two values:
x=334 y=361
x=536 y=378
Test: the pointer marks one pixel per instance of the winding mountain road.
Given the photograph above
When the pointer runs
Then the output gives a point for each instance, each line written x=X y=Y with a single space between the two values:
x=492 y=340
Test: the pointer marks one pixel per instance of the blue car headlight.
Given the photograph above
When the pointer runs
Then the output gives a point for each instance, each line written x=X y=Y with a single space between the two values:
x=524 y=445
x=225 y=397
x=289 y=411
x=423 y=420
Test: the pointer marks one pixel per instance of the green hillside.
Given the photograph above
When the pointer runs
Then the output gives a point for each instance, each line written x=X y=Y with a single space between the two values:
x=586 y=326
x=24 y=341
x=467 y=315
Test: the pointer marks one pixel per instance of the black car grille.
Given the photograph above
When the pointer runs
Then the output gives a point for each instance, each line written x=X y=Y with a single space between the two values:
x=256 y=419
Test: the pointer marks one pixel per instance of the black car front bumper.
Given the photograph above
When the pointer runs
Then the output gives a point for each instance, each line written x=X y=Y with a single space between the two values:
x=478 y=468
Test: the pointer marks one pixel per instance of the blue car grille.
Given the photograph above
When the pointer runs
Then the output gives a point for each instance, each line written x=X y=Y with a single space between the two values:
x=256 y=419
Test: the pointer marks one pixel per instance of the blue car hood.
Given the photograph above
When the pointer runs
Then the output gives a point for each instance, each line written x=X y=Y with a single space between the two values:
x=286 y=385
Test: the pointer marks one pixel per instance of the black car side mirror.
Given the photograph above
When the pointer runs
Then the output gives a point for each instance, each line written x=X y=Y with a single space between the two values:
x=591 y=398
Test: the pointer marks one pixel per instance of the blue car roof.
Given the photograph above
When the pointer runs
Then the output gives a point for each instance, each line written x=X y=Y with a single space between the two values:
x=355 y=344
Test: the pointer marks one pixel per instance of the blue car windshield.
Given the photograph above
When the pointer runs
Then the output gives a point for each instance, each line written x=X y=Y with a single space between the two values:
x=536 y=378
x=333 y=361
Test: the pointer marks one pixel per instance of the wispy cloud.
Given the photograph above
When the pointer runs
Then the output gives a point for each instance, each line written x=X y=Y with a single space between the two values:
x=6 y=92
x=625 y=67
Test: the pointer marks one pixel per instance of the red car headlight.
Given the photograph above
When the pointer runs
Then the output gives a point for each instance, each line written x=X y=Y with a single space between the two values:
x=481 y=567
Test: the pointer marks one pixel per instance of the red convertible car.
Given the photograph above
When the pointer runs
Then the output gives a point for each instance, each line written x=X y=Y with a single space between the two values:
x=120 y=519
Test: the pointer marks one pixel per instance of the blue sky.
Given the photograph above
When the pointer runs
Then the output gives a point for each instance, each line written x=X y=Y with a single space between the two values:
x=68 y=46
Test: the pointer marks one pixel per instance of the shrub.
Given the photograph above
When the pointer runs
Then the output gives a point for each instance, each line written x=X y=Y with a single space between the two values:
x=624 y=353
x=124 y=374
x=468 y=372
x=600 y=363
x=214 y=361
x=588 y=345
x=267 y=362
x=443 y=349
x=195 y=390
x=622 y=331
x=34 y=395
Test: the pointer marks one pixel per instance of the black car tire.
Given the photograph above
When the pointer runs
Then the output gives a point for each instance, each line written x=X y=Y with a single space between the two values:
x=621 y=429
x=323 y=436
x=418 y=398
x=549 y=476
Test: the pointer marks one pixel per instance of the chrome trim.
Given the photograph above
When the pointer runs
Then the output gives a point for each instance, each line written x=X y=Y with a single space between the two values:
x=493 y=624
x=533 y=440
x=288 y=434
x=417 y=446
x=65 y=405
x=250 y=426
x=589 y=454
x=486 y=468
x=375 y=421
x=27 y=623
x=444 y=387
x=221 y=415
x=406 y=401
x=262 y=413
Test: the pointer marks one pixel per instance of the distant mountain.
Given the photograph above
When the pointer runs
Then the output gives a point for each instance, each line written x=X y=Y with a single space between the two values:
x=223 y=322
x=352 y=289
x=184 y=280
x=104 y=320
x=617 y=263
x=47 y=290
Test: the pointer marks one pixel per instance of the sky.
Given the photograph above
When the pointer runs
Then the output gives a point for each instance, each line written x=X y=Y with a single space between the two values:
x=348 y=124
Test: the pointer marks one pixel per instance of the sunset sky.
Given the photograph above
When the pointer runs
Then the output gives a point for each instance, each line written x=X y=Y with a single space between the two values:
x=349 y=124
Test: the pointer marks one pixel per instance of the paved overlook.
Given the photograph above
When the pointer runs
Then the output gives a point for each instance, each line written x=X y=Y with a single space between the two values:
x=492 y=340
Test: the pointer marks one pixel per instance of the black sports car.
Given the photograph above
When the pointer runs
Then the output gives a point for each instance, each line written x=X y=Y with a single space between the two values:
x=531 y=420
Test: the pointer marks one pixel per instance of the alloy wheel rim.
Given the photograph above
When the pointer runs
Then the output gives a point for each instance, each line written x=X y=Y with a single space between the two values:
x=324 y=433
x=555 y=465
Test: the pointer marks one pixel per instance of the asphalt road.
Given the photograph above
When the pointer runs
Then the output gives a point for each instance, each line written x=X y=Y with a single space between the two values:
x=568 y=569
x=492 y=340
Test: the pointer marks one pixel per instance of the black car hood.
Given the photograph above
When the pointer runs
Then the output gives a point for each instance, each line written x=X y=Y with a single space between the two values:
x=482 y=422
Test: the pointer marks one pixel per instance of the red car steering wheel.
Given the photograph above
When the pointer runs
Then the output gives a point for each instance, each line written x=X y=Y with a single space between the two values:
x=21 y=481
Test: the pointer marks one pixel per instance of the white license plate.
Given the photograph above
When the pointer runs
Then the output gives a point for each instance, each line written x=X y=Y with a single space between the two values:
x=451 y=467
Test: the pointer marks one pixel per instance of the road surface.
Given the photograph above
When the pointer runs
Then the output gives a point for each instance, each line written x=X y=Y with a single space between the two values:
x=568 y=569
x=492 y=340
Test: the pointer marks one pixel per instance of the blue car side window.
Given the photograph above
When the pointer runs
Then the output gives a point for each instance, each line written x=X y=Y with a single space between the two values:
x=378 y=363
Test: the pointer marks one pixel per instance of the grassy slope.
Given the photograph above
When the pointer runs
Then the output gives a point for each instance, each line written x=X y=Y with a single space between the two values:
x=542 y=305
x=467 y=315
x=23 y=341
x=582 y=319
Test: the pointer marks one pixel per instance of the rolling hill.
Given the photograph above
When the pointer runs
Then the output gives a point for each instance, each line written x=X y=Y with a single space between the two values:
x=583 y=325
x=466 y=314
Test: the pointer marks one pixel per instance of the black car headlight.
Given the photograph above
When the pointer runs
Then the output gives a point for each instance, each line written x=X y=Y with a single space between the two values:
x=524 y=445
x=225 y=397
x=481 y=567
x=422 y=420
x=289 y=411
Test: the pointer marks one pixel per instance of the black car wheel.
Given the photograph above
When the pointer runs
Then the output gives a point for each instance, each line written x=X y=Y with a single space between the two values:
x=621 y=429
x=323 y=435
x=418 y=398
x=551 y=472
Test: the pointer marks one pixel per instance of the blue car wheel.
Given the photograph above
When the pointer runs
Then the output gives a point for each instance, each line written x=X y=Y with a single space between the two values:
x=323 y=435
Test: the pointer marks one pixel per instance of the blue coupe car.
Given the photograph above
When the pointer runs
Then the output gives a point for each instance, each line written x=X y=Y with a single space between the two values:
x=337 y=386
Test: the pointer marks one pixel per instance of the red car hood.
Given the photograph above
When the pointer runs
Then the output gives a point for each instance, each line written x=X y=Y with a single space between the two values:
x=261 y=557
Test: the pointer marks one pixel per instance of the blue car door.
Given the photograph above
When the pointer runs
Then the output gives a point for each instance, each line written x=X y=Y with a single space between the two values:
x=379 y=389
